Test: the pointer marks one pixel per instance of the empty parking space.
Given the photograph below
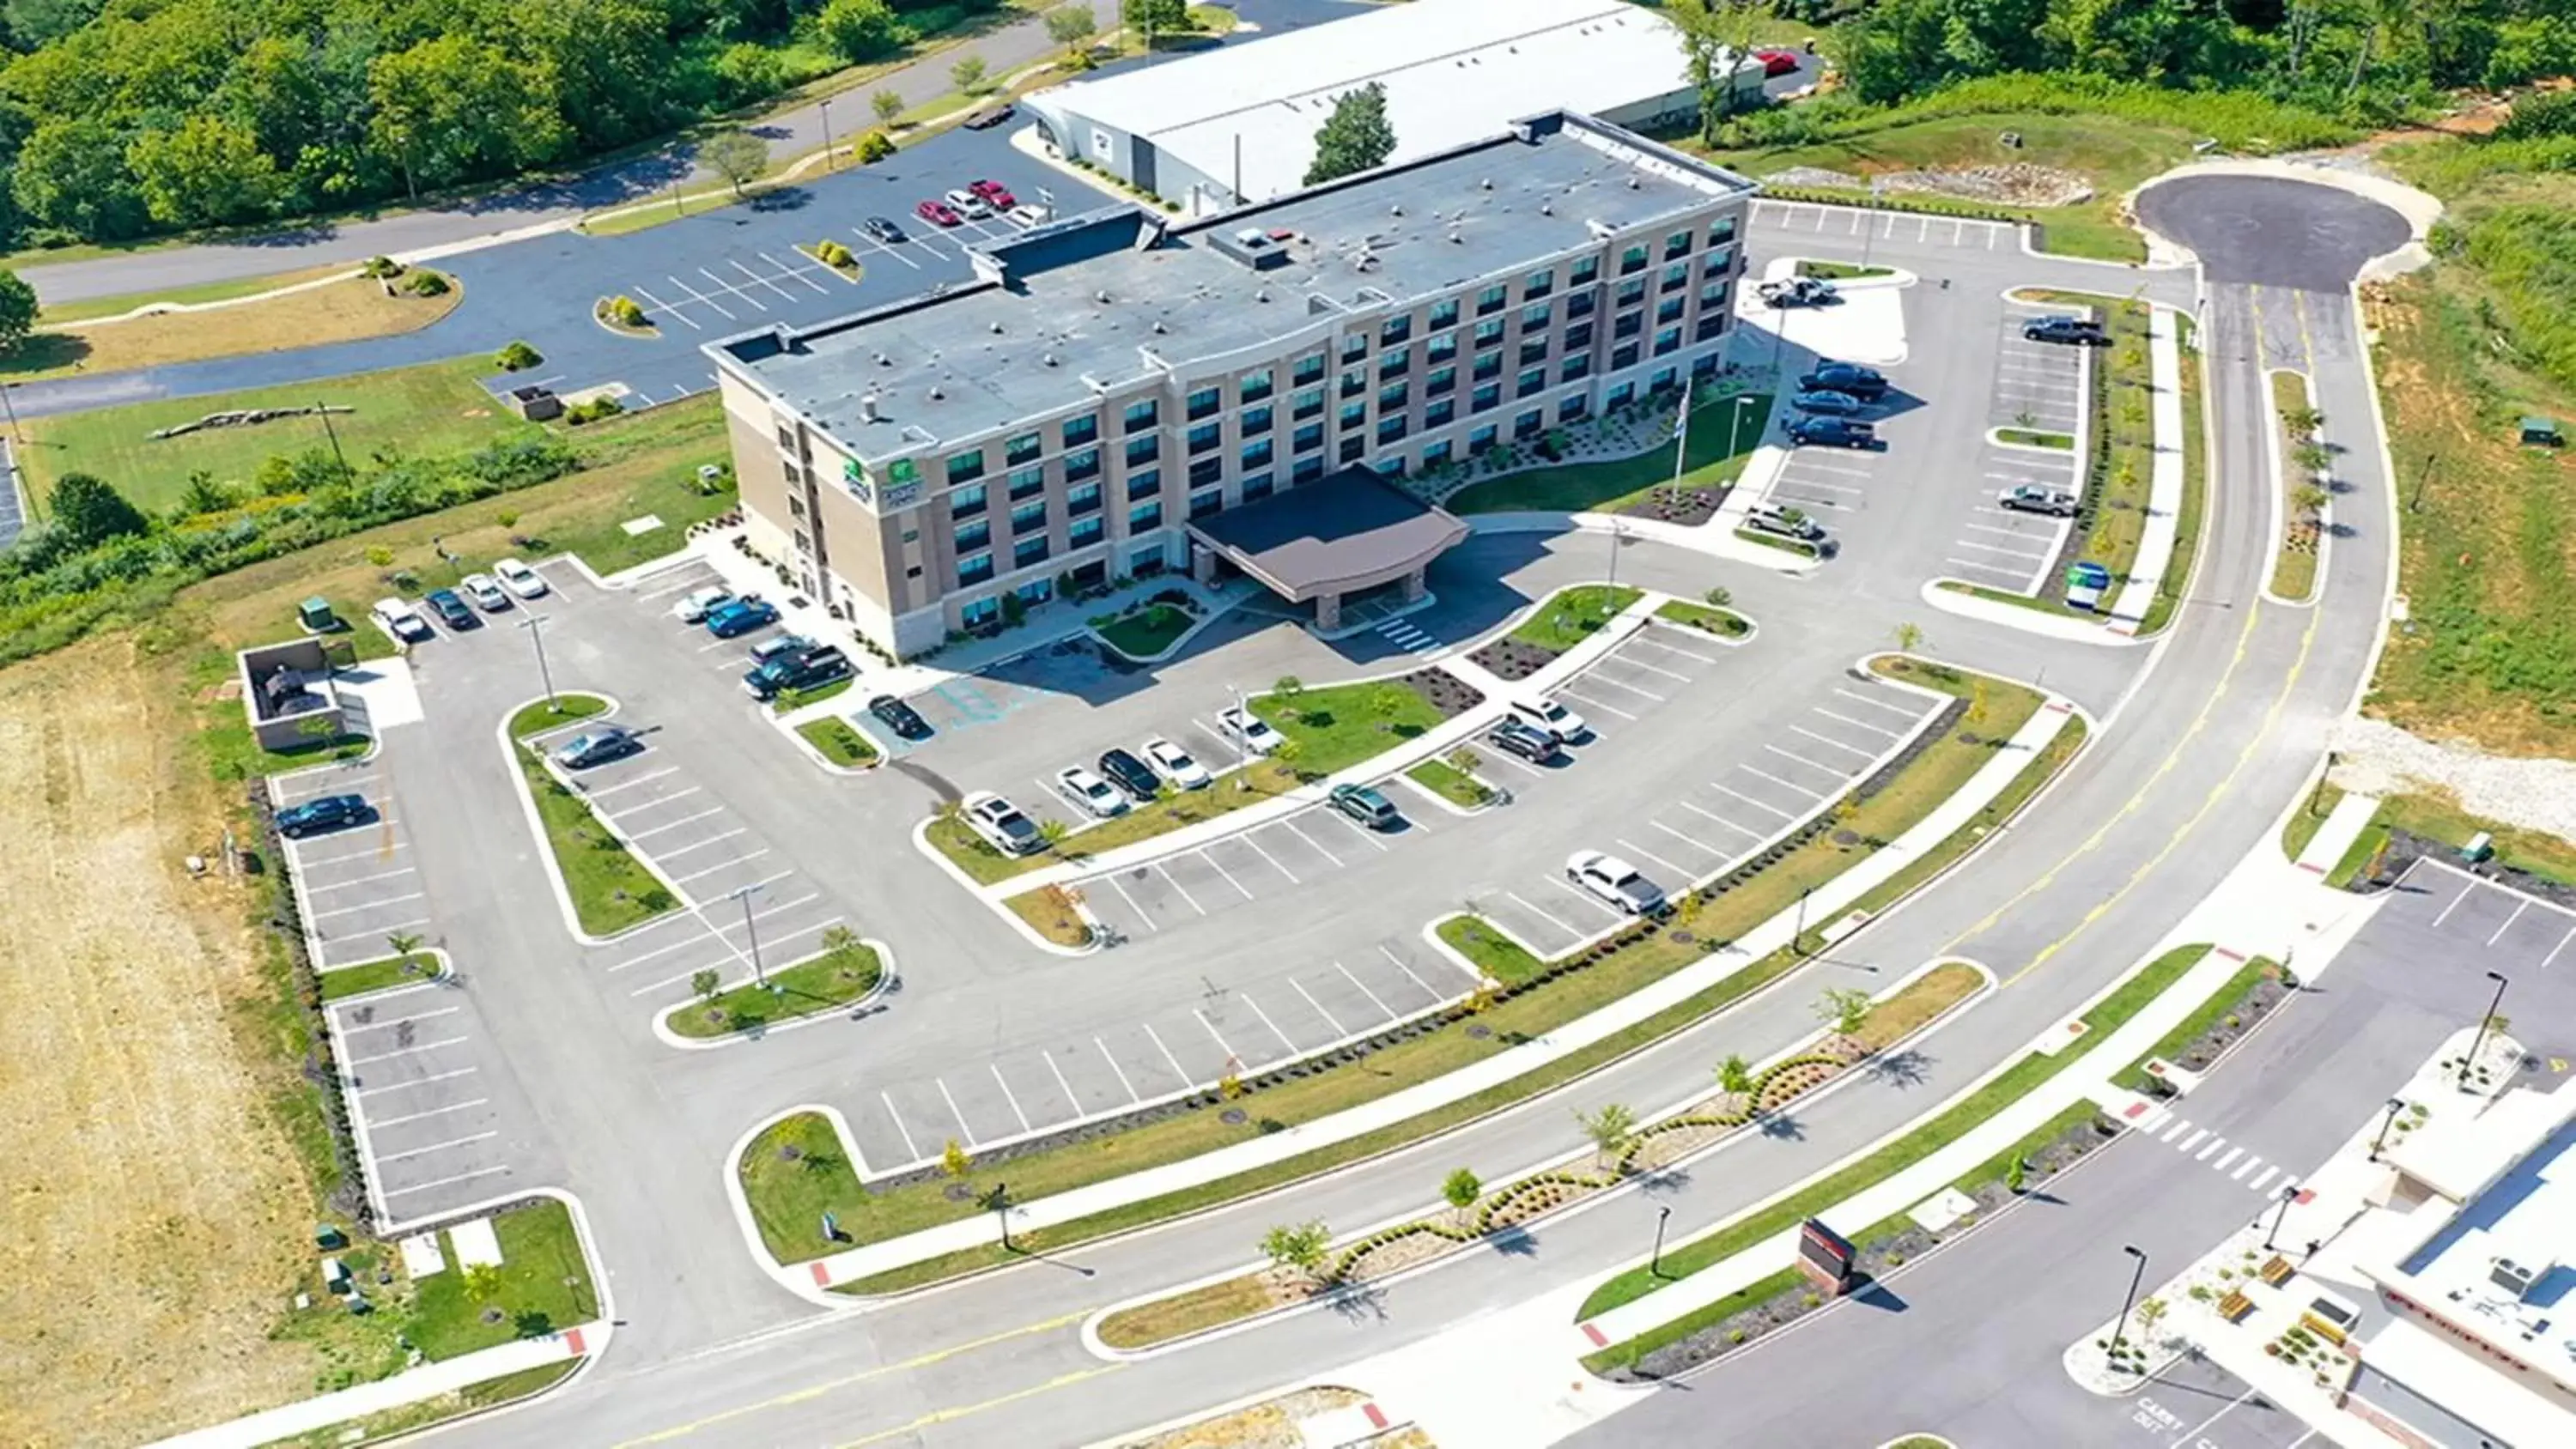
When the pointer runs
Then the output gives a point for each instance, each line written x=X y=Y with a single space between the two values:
x=2037 y=384
x=745 y=289
x=433 y=1104
x=360 y=885
x=2012 y=548
x=1799 y=218
x=1280 y=855
x=2509 y=930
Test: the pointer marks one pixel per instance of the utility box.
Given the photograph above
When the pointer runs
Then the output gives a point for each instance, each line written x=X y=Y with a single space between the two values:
x=2480 y=849
x=2542 y=433
x=2085 y=585
x=316 y=616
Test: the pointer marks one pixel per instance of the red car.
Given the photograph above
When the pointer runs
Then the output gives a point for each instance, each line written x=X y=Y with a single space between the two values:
x=938 y=213
x=995 y=194
x=1776 y=62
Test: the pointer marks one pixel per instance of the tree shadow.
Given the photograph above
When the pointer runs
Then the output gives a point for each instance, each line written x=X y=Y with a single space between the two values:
x=785 y=198
x=1782 y=1127
x=1898 y=1069
x=45 y=352
x=1514 y=1243
x=1359 y=1303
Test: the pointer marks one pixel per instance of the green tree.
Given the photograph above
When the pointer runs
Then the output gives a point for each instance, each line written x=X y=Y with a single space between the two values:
x=1300 y=1246
x=203 y=495
x=402 y=943
x=71 y=174
x=1150 y=18
x=453 y=109
x=2310 y=500
x=749 y=72
x=738 y=156
x=1909 y=637
x=968 y=72
x=1715 y=34
x=1286 y=689
x=18 y=307
x=1719 y=597
x=87 y=512
x=1354 y=138
x=483 y=1282
x=1610 y=1129
x=954 y=1161
x=887 y=104
x=1735 y=1078
x=208 y=172
x=1460 y=1190
x=703 y=983
x=859 y=30
x=875 y=146
x=1070 y=26
x=1844 y=1009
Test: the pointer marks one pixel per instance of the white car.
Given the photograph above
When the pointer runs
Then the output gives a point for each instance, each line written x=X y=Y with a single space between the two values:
x=1614 y=882
x=1174 y=764
x=694 y=607
x=402 y=621
x=967 y=204
x=520 y=579
x=1001 y=824
x=1026 y=215
x=1549 y=714
x=1254 y=731
x=1090 y=792
x=486 y=594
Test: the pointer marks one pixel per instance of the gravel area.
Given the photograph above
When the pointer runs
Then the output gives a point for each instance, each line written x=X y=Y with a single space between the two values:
x=2378 y=758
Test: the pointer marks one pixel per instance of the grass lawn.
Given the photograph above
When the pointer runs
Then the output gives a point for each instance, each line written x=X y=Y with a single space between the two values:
x=1568 y=616
x=837 y=741
x=545 y=1287
x=1495 y=954
x=472 y=1399
x=1335 y=728
x=2033 y=438
x=1719 y=443
x=841 y=975
x=2302 y=826
x=1962 y=1116
x=1203 y=1308
x=1798 y=546
x=2120 y=476
x=340 y=312
x=1050 y=913
x=117 y=306
x=2294 y=557
x=1925 y=997
x=792 y=1174
x=1147 y=632
x=1842 y=271
x=790 y=700
x=2195 y=492
x=1516 y=1019
x=342 y=982
x=2433 y=818
x=1707 y=618
x=610 y=889
x=433 y=408
x=2202 y=1018
x=1451 y=783
x=1998 y=1168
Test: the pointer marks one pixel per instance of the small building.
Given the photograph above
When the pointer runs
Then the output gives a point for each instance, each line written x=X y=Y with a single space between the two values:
x=1236 y=126
x=536 y=403
x=289 y=694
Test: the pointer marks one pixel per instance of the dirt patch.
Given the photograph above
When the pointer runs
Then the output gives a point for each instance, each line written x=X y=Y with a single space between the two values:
x=1817 y=176
x=1448 y=693
x=2013 y=184
x=154 y=1197
x=1270 y=1425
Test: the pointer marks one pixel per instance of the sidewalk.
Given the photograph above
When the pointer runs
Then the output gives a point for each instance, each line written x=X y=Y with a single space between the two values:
x=2128 y=608
x=1840 y=893
x=2325 y=849
x=416 y=1386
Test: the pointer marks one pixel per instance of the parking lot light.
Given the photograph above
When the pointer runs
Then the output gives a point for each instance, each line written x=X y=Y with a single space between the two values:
x=2469 y=1062
x=751 y=929
x=533 y=624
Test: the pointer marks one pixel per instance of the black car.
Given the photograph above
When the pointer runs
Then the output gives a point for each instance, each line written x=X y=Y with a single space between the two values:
x=1799 y=292
x=990 y=117
x=452 y=611
x=2074 y=330
x=1832 y=432
x=1130 y=774
x=806 y=668
x=1519 y=737
x=882 y=229
x=328 y=812
x=900 y=717
x=598 y=747
x=1865 y=383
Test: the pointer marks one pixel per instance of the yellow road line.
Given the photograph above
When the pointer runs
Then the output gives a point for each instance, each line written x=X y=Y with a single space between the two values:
x=814 y=1391
x=942 y=1416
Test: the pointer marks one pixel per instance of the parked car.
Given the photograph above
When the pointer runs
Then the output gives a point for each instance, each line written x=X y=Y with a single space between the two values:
x=1551 y=715
x=1174 y=764
x=327 y=812
x=520 y=579
x=1001 y=824
x=1254 y=731
x=778 y=644
x=1090 y=792
x=2076 y=330
x=486 y=594
x=903 y=719
x=1787 y=522
x=993 y=194
x=736 y=617
x=402 y=621
x=2039 y=498
x=694 y=606
x=1366 y=806
x=967 y=204
x=451 y=610
x=938 y=213
x=990 y=116
x=1866 y=383
x=1800 y=292
x=1831 y=432
x=598 y=747
x=1776 y=62
x=1614 y=882
x=882 y=228
x=1026 y=215
x=1515 y=736
x=1827 y=404
x=1131 y=775
x=807 y=668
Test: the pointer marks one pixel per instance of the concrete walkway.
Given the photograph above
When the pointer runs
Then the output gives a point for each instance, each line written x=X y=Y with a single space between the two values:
x=429 y=1381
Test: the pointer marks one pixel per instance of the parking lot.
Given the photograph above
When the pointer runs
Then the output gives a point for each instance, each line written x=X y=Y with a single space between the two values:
x=752 y=286
x=2040 y=387
x=1271 y=858
x=1807 y=218
x=360 y=885
x=431 y=1099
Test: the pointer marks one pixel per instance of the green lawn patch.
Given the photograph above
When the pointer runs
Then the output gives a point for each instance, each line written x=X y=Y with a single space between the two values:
x=1210 y=1306
x=846 y=971
x=2195 y=492
x=837 y=741
x=1233 y=790
x=1147 y=632
x=565 y=708
x=472 y=1399
x=2295 y=555
x=1998 y=1168
x=1842 y=271
x=342 y=982
x=792 y=1174
x=543 y=1287
x=1495 y=954
x=611 y=890
x=2192 y=1027
x=1569 y=616
x=1798 y=546
x=1951 y=1124
x=790 y=700
x=2303 y=824
x=1451 y=783
x=1706 y=618
x=2431 y=818
x=1334 y=728
x=2035 y=438
x=2120 y=473
x=1723 y=433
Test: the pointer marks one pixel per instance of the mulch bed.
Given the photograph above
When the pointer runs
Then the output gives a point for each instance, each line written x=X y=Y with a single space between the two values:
x=1448 y=693
x=1513 y=659
x=2404 y=849
x=2240 y=1017
x=1690 y=508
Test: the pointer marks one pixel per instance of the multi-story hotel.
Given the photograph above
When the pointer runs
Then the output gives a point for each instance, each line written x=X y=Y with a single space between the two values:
x=1114 y=398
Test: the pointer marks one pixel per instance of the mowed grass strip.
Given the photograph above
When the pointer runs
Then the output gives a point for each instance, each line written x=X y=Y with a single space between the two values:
x=1451 y=783
x=611 y=890
x=1723 y=434
x=2432 y=817
x=341 y=311
x=1334 y=728
x=1147 y=632
x=342 y=982
x=836 y=741
x=2195 y=493
x=792 y=1174
x=844 y=972
x=2294 y=554
x=2202 y=1018
x=1570 y=616
x=1707 y=618
x=2120 y=474
x=544 y=1287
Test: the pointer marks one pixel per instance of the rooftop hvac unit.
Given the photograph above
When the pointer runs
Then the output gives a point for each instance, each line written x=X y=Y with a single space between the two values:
x=868 y=408
x=2513 y=1277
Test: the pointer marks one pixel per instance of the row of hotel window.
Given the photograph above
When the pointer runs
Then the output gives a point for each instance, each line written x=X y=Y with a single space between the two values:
x=1030 y=545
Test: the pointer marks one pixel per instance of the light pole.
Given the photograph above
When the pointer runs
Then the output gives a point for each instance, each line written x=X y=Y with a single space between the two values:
x=1681 y=435
x=1002 y=1211
x=2319 y=793
x=534 y=624
x=11 y=405
x=2395 y=1106
x=1663 y=1215
x=2289 y=1195
x=2480 y=1039
x=827 y=135
x=1242 y=750
x=1618 y=541
x=743 y=894
x=2121 y=1332
x=1735 y=425
x=1798 y=933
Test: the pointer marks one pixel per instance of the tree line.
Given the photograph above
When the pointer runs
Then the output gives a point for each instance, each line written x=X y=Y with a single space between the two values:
x=130 y=117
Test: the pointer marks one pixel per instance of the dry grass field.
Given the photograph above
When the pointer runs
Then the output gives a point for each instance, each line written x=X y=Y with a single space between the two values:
x=155 y=1198
x=340 y=312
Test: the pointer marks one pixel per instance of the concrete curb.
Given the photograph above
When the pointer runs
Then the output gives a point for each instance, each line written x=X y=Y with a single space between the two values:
x=545 y=844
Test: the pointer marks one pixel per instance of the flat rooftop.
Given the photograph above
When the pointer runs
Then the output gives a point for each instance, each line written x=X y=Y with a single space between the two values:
x=1340 y=529
x=1085 y=306
x=1453 y=70
x=2503 y=1266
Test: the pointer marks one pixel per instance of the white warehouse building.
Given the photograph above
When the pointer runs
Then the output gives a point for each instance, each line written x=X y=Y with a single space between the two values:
x=1236 y=126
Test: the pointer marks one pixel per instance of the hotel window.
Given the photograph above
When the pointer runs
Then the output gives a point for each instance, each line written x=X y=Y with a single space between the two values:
x=1207 y=502
x=1533 y=379
x=1257 y=487
x=1084 y=533
x=1534 y=317
x=1488 y=364
x=1028 y=516
x=1439 y=380
x=972 y=536
x=1206 y=436
x=1145 y=449
x=1255 y=385
x=1205 y=402
x=1022 y=449
x=1144 y=483
x=1713 y=295
x=1722 y=233
x=1667 y=339
x=1255 y=421
x=1579 y=305
x=1081 y=430
x=1390 y=429
x=1435 y=454
x=1624 y=355
x=1709 y=327
x=1538 y=284
x=1632 y=293
x=1256 y=453
x=1444 y=313
x=1628 y=325
x=1676 y=277
x=980 y=612
x=1437 y=414
x=1678 y=244
x=1529 y=423
x=1396 y=363
x=1306 y=471
x=1489 y=333
x=974 y=569
x=1534 y=349
x=1632 y=260
x=1354 y=346
x=1085 y=464
x=1392 y=396
x=1619 y=395
x=1669 y=309
x=1571 y=408
x=1352 y=413
x=1440 y=348
x=1029 y=551
x=966 y=467
x=1578 y=338
x=1140 y=415
x=1354 y=382
x=1576 y=366
x=1480 y=440
x=1309 y=368
x=1144 y=517
x=1206 y=471
x=1485 y=398
x=1026 y=482
x=966 y=501
x=1307 y=439
x=1394 y=330
x=1717 y=264
x=1584 y=270
x=1082 y=500
x=1353 y=449
x=1491 y=299
x=1306 y=404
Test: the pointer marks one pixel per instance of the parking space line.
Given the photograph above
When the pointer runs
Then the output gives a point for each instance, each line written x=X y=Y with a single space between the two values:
x=662 y=308
x=2011 y=533
x=1997 y=548
x=1544 y=916
x=1364 y=991
x=665 y=856
x=1067 y=1087
x=730 y=287
x=1652 y=668
x=1291 y=823
x=1671 y=648
x=1339 y=1031
x=711 y=870
x=1233 y=1058
x=1686 y=840
x=874 y=245
x=697 y=296
x=695 y=579
x=443 y=1182
x=1247 y=839
x=1632 y=689
x=423 y=1116
x=1830 y=740
x=2561 y=946
x=378 y=851
x=1362 y=831
x=1157 y=1039
x=1590 y=703
x=368 y=906
x=1977 y=566
x=341 y=885
x=1580 y=894
x=1783 y=784
x=1801 y=759
x=419 y=1082
x=2455 y=902
x=951 y=1099
x=2518 y=908
x=1720 y=819
x=1157 y=868
x=1910 y=712
x=1131 y=903
x=354 y=1028
x=1008 y=1095
x=385 y=1157
x=1635 y=849
x=679 y=945
x=1132 y=1095
x=1292 y=1047
x=647 y=776
x=911 y=1150
x=1802 y=481
x=1202 y=854
x=425 y=1046
x=1525 y=767
x=1749 y=800
x=1407 y=970
x=674 y=825
x=795 y=273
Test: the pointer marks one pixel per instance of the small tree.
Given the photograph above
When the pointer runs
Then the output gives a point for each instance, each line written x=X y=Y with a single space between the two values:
x=17 y=310
x=859 y=30
x=1719 y=597
x=1460 y=1190
x=204 y=495
x=2150 y=1313
x=88 y=511
x=2014 y=1176
x=1300 y=1246
x=875 y=146
x=738 y=156
x=1609 y=1128
x=703 y=983
x=887 y=104
x=1735 y=1077
x=2312 y=457
x=482 y=1282
x=969 y=74
x=1844 y=1009
x=1286 y=689
x=1153 y=17
x=1909 y=637
x=2310 y=500
x=1386 y=699
x=1070 y=25
x=402 y=943
x=1053 y=833
x=839 y=941
x=1356 y=137
x=1464 y=760
x=2303 y=419
x=954 y=1161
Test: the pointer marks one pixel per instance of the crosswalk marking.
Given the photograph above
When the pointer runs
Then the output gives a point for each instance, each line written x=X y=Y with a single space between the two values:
x=2233 y=1153
x=2268 y=1174
x=2243 y=1168
x=2215 y=1143
x=2195 y=1138
x=2217 y=1154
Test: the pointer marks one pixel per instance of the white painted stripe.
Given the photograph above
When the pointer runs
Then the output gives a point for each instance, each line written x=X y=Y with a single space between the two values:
x=1157 y=1039
x=1132 y=1095
x=443 y=1182
x=1176 y=885
x=384 y=1157
x=363 y=906
x=1338 y=1030
x=1783 y=784
x=1008 y=1095
x=2518 y=909
x=419 y=1082
x=1544 y=916
x=2242 y=1168
x=1202 y=854
x=950 y=1098
x=2192 y=1142
x=1408 y=971
x=379 y=1126
x=2215 y=1143
x=1747 y=799
x=2268 y=1174
x=425 y=1046
x=911 y=1151
x=2221 y=1164
x=1364 y=991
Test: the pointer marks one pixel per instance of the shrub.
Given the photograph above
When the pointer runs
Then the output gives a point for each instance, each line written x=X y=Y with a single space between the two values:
x=426 y=283
x=517 y=357
x=833 y=254
x=383 y=267
x=875 y=146
x=624 y=311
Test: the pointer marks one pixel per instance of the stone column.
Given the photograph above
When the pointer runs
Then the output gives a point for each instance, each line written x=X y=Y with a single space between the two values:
x=1203 y=565
x=1413 y=587
x=1328 y=612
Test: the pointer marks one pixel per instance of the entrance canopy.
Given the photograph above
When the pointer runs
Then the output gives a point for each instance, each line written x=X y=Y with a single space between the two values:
x=1337 y=535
